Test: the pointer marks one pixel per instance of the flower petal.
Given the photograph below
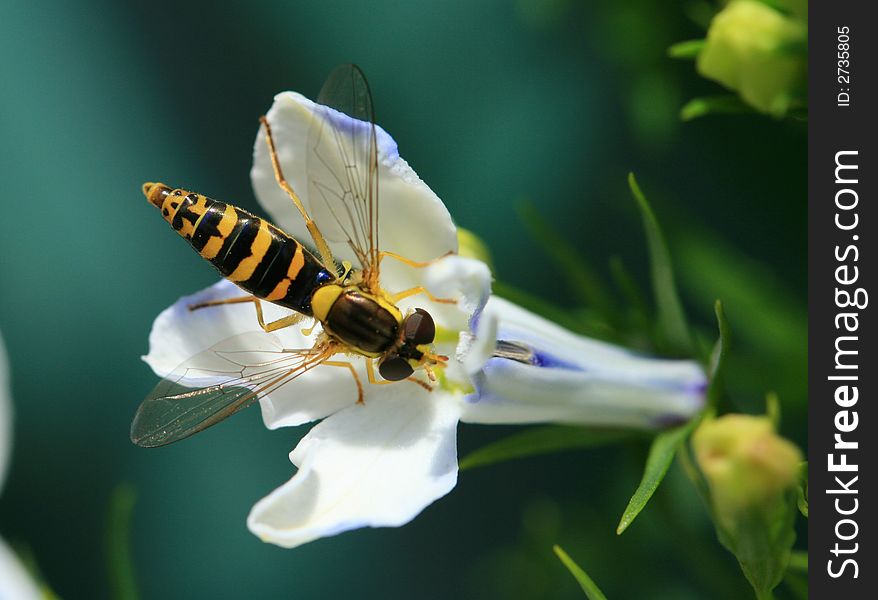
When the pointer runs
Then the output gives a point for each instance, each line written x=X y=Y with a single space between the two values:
x=14 y=579
x=573 y=379
x=15 y=583
x=178 y=334
x=466 y=280
x=474 y=351
x=376 y=465
x=413 y=221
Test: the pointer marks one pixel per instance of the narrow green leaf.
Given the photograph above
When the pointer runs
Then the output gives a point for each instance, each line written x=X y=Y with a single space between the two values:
x=797 y=585
x=686 y=50
x=762 y=539
x=623 y=279
x=592 y=592
x=802 y=489
x=718 y=358
x=772 y=408
x=635 y=300
x=542 y=440
x=777 y=5
x=584 y=280
x=714 y=105
x=661 y=453
x=793 y=48
x=769 y=320
x=120 y=565
x=671 y=319
x=700 y=12
x=798 y=561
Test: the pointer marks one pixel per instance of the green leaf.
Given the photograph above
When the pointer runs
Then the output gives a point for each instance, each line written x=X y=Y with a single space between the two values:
x=592 y=592
x=686 y=50
x=623 y=279
x=772 y=408
x=797 y=585
x=638 y=308
x=671 y=319
x=700 y=12
x=718 y=358
x=584 y=280
x=714 y=105
x=542 y=440
x=798 y=561
x=661 y=453
x=769 y=318
x=762 y=542
x=793 y=48
x=802 y=489
x=120 y=565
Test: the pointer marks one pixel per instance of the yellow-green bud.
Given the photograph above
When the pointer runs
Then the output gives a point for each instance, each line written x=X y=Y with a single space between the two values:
x=746 y=463
x=756 y=50
x=751 y=472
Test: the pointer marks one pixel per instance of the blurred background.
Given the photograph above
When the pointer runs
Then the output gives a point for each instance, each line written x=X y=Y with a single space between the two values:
x=497 y=105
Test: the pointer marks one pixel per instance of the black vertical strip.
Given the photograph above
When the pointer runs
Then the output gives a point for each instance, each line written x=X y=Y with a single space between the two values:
x=208 y=227
x=842 y=226
x=182 y=213
x=274 y=264
x=309 y=278
x=239 y=244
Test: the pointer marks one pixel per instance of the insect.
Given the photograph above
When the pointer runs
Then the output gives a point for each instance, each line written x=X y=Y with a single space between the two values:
x=357 y=315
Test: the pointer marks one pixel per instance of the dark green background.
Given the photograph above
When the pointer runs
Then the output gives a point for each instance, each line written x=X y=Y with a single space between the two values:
x=492 y=103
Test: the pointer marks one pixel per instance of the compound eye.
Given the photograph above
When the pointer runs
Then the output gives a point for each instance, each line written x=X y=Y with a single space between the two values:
x=395 y=368
x=419 y=327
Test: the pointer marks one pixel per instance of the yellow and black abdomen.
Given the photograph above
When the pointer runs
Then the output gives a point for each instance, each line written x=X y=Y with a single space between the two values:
x=247 y=250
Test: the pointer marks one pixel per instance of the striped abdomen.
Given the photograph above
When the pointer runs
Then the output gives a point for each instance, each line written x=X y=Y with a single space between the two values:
x=247 y=250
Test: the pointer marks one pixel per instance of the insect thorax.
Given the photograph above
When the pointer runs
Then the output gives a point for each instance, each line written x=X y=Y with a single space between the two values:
x=357 y=318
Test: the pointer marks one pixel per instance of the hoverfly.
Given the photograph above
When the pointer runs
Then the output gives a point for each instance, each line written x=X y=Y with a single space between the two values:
x=357 y=315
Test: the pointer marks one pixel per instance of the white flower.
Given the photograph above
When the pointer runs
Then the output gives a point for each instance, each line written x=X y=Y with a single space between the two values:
x=563 y=377
x=15 y=583
x=381 y=463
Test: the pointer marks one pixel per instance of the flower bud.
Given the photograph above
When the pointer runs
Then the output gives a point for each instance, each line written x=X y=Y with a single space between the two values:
x=746 y=463
x=751 y=472
x=757 y=51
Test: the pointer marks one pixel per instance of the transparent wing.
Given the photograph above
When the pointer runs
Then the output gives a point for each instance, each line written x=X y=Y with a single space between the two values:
x=217 y=383
x=342 y=166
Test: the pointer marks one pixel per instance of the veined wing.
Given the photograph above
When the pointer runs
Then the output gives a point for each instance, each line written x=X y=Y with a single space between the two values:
x=342 y=166
x=217 y=383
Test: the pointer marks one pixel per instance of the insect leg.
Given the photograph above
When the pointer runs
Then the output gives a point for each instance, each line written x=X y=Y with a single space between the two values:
x=319 y=240
x=239 y=300
x=347 y=365
x=412 y=263
x=421 y=290
x=287 y=321
x=417 y=265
